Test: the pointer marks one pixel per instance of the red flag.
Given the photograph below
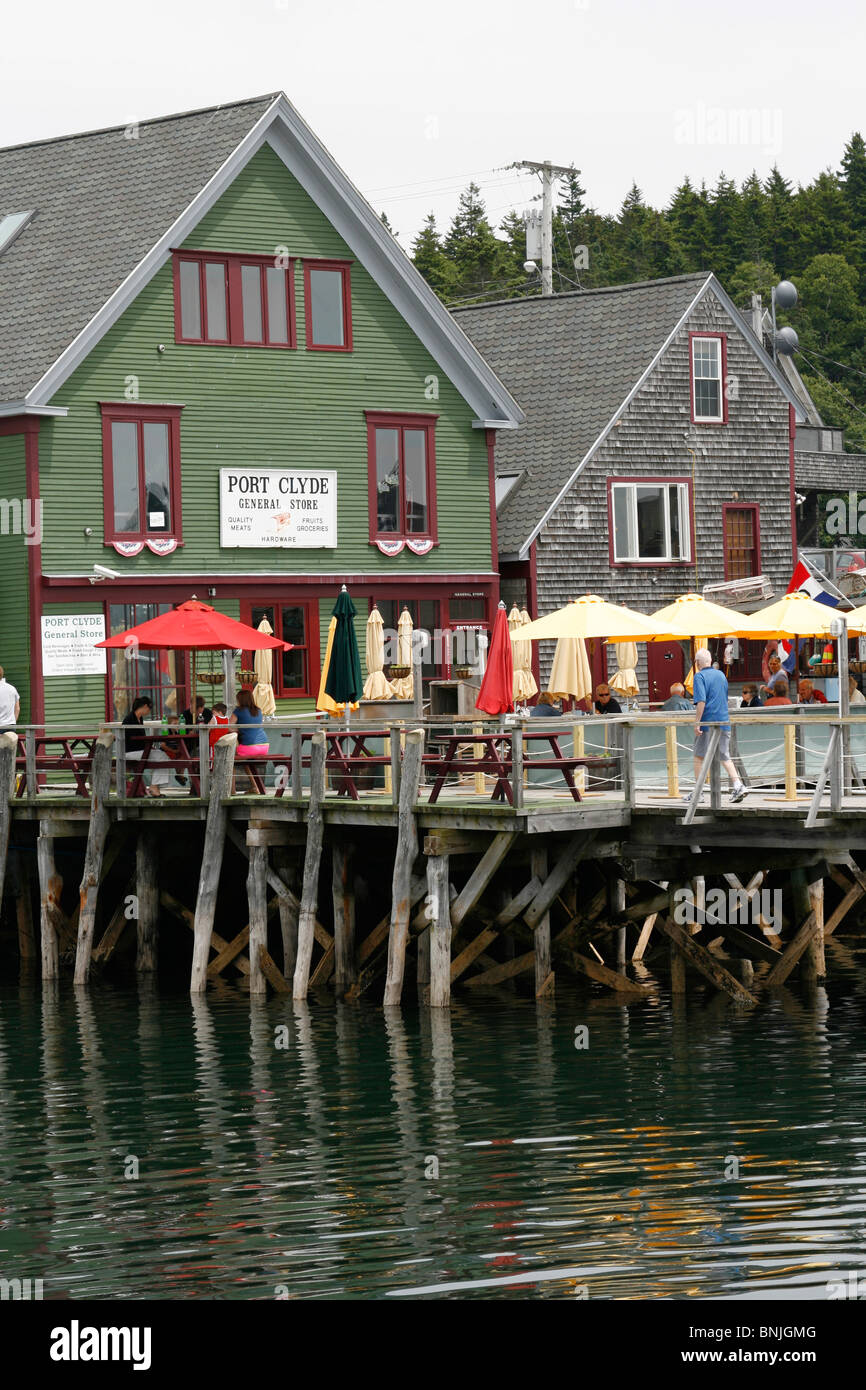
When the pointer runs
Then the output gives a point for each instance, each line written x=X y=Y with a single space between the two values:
x=496 y=693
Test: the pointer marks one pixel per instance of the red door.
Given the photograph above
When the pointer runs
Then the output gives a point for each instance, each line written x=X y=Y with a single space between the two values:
x=665 y=665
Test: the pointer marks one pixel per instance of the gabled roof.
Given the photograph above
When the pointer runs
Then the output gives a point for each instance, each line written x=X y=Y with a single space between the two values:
x=574 y=361
x=109 y=205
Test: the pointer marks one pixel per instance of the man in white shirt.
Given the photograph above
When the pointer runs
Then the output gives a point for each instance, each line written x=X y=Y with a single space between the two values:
x=10 y=702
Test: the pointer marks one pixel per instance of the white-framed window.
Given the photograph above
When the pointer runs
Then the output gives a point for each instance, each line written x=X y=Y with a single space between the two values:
x=708 y=402
x=651 y=522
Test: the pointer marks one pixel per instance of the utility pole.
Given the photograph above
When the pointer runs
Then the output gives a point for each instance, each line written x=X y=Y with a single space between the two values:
x=548 y=173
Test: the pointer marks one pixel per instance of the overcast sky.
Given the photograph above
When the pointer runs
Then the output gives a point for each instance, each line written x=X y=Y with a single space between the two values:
x=414 y=99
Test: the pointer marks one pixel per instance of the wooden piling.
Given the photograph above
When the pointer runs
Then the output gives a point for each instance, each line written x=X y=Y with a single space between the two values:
x=342 y=884
x=8 y=749
x=27 y=952
x=212 y=859
x=808 y=898
x=541 y=934
x=257 y=898
x=147 y=893
x=50 y=913
x=289 y=909
x=100 y=785
x=312 y=860
x=617 y=909
x=439 y=931
x=407 y=852
x=672 y=760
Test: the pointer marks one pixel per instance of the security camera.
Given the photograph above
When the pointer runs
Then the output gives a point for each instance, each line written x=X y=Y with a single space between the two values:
x=530 y=267
x=103 y=572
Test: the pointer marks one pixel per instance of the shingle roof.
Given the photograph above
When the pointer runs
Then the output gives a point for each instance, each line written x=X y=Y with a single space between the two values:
x=101 y=201
x=570 y=361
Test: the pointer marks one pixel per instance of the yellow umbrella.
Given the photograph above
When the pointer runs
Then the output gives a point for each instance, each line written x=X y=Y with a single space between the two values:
x=375 y=686
x=793 y=615
x=263 y=664
x=324 y=701
x=521 y=653
x=692 y=613
x=570 y=675
x=592 y=616
x=856 y=619
x=404 y=686
x=625 y=680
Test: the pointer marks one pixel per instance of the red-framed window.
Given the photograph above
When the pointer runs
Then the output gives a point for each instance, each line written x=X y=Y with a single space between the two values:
x=234 y=300
x=141 y=471
x=296 y=673
x=650 y=521
x=328 y=305
x=742 y=531
x=708 y=372
x=426 y=614
x=401 y=462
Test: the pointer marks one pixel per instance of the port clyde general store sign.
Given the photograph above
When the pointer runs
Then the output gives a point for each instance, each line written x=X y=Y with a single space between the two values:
x=278 y=507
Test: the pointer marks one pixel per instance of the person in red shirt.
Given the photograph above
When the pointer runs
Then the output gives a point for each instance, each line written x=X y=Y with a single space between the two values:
x=778 y=695
x=808 y=695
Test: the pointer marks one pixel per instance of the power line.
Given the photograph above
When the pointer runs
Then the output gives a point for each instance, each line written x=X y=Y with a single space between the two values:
x=833 y=387
x=844 y=365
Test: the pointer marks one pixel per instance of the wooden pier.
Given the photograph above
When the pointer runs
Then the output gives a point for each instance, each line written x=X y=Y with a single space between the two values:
x=376 y=861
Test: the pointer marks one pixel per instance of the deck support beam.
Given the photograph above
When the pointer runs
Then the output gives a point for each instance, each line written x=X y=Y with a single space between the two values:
x=100 y=784
x=147 y=893
x=407 y=853
x=312 y=861
x=212 y=858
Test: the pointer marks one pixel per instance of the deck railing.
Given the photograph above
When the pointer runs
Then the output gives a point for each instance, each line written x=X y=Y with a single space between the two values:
x=811 y=756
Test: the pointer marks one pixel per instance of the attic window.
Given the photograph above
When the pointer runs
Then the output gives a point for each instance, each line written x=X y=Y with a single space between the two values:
x=504 y=483
x=243 y=301
x=709 y=373
x=11 y=225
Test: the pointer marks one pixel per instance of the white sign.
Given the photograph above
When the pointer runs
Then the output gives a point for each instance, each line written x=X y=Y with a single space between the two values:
x=278 y=507
x=67 y=644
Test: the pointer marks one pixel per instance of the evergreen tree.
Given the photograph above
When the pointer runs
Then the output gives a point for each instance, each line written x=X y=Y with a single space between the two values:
x=572 y=207
x=723 y=210
x=481 y=261
x=853 y=178
x=822 y=214
x=430 y=259
x=782 y=234
x=688 y=217
x=749 y=221
x=748 y=278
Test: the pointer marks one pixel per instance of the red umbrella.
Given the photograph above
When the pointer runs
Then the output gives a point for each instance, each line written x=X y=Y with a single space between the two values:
x=496 y=695
x=194 y=626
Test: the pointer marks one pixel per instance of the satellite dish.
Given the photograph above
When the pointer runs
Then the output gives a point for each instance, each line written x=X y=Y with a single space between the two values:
x=786 y=295
x=787 y=342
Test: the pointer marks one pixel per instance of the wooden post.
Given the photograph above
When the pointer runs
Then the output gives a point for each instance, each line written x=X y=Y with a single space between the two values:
x=24 y=914
x=541 y=934
x=517 y=768
x=422 y=965
x=678 y=963
x=147 y=892
x=715 y=783
x=120 y=769
x=50 y=888
x=578 y=748
x=396 y=764
x=478 y=754
x=100 y=784
x=809 y=898
x=407 y=852
x=289 y=908
x=312 y=860
x=417 y=689
x=212 y=858
x=439 y=931
x=672 y=760
x=8 y=749
x=257 y=899
x=617 y=908
x=790 y=762
x=297 y=764
x=628 y=768
x=204 y=762
x=345 y=960
x=30 y=761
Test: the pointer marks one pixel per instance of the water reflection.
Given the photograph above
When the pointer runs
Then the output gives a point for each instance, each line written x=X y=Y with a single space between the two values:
x=234 y=1148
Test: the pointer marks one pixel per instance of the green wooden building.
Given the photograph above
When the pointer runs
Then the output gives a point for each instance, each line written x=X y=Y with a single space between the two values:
x=220 y=375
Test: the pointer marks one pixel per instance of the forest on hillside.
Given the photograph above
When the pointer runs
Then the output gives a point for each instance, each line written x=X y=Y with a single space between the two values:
x=751 y=237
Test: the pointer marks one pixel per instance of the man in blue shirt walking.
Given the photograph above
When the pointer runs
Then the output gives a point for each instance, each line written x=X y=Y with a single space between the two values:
x=711 y=705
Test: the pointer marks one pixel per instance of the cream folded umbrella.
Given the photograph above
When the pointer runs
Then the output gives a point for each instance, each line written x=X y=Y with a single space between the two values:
x=376 y=687
x=591 y=616
x=404 y=686
x=263 y=665
x=625 y=680
x=521 y=654
x=570 y=674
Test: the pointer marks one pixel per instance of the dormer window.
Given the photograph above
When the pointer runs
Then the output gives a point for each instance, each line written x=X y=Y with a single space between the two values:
x=242 y=301
x=10 y=225
x=708 y=376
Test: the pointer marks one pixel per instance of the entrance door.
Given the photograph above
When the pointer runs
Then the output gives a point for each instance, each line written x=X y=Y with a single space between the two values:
x=665 y=665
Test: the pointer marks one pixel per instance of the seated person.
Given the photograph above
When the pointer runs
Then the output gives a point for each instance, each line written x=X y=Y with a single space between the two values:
x=751 y=698
x=219 y=722
x=677 y=699
x=252 y=742
x=776 y=672
x=548 y=707
x=855 y=695
x=808 y=695
x=604 y=701
x=779 y=694
x=203 y=714
x=135 y=736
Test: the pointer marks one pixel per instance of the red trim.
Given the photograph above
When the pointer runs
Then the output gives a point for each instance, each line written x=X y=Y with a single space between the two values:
x=651 y=564
x=187 y=584
x=345 y=268
x=28 y=426
x=491 y=470
x=136 y=412
x=792 y=435
x=401 y=421
x=723 y=339
x=232 y=263
x=313 y=648
x=742 y=507
x=532 y=601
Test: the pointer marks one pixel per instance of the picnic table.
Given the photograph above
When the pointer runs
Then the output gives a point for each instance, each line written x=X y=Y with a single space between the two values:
x=496 y=760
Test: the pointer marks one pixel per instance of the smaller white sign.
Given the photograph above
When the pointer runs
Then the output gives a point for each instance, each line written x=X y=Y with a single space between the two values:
x=67 y=644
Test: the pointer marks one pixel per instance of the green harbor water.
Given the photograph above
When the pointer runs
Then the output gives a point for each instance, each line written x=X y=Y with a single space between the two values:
x=331 y=1151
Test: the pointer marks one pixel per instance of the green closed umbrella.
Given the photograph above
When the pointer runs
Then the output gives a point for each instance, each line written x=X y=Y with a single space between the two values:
x=344 y=683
